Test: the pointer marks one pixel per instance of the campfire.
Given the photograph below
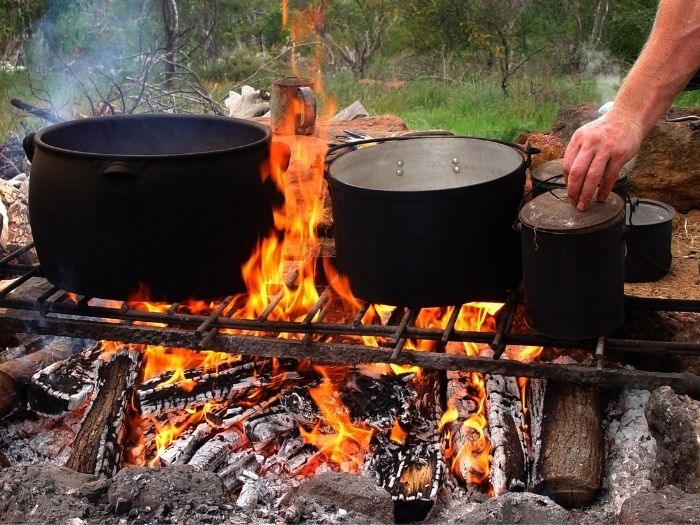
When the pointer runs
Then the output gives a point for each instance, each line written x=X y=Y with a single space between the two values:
x=298 y=377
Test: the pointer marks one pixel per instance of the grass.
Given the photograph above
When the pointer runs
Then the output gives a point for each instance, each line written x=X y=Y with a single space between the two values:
x=478 y=108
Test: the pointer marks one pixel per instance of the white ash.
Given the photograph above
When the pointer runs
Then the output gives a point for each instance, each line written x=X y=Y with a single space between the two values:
x=28 y=442
x=632 y=451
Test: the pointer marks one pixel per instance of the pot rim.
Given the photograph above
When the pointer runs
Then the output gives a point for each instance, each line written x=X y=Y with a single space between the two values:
x=39 y=142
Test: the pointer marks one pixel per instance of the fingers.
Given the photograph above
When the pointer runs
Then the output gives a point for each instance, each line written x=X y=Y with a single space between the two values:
x=592 y=180
x=609 y=180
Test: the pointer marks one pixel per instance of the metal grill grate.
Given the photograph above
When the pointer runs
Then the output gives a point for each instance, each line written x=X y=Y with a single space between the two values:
x=49 y=310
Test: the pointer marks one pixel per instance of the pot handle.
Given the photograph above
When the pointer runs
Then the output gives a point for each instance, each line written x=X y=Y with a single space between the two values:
x=119 y=169
x=28 y=146
x=528 y=150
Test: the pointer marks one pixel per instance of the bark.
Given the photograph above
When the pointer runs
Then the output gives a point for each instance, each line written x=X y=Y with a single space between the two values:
x=571 y=458
x=98 y=445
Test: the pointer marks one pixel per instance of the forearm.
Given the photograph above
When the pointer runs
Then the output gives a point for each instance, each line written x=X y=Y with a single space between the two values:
x=667 y=62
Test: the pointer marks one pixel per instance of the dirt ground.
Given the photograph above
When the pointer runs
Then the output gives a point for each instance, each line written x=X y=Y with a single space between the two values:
x=683 y=281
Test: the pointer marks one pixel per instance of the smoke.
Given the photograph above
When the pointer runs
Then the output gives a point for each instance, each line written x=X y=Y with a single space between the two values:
x=608 y=75
x=80 y=52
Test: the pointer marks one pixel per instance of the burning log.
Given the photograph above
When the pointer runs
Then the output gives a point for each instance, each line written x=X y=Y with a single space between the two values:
x=181 y=450
x=239 y=467
x=507 y=426
x=63 y=385
x=569 y=453
x=269 y=425
x=215 y=451
x=98 y=446
x=16 y=374
x=227 y=382
x=412 y=471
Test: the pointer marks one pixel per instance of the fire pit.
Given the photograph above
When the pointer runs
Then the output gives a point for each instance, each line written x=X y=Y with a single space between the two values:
x=298 y=379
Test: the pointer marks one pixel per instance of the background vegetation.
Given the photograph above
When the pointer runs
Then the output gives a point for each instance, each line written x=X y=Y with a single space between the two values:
x=488 y=67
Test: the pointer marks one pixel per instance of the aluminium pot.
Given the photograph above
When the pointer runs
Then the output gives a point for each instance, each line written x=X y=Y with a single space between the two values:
x=573 y=266
x=166 y=205
x=427 y=221
x=649 y=232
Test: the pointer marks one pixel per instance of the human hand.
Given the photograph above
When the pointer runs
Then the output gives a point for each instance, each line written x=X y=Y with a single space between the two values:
x=596 y=154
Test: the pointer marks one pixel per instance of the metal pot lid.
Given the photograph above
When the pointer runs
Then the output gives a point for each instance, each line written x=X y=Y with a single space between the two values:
x=552 y=172
x=554 y=212
x=426 y=164
x=646 y=212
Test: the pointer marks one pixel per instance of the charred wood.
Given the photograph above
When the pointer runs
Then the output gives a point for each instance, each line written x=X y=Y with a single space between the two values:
x=98 y=446
x=16 y=374
x=413 y=471
x=507 y=431
x=268 y=426
x=227 y=382
x=238 y=468
x=35 y=111
x=215 y=451
x=379 y=401
x=181 y=450
x=63 y=385
x=570 y=460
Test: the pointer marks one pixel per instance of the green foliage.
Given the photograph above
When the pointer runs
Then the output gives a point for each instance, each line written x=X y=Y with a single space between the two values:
x=628 y=27
x=477 y=107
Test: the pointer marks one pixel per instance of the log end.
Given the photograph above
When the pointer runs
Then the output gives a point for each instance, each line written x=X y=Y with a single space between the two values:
x=8 y=394
x=568 y=492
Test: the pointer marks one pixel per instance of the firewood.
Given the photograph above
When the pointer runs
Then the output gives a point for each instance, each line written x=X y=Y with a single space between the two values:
x=509 y=448
x=16 y=374
x=215 y=451
x=269 y=425
x=63 y=385
x=97 y=448
x=180 y=451
x=413 y=471
x=570 y=459
x=227 y=382
x=15 y=231
x=238 y=468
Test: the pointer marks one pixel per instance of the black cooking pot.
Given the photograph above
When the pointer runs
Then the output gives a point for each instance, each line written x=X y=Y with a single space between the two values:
x=172 y=203
x=573 y=266
x=427 y=221
x=650 y=225
x=550 y=176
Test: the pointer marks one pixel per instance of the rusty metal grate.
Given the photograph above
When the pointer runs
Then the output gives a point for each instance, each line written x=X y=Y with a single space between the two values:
x=51 y=311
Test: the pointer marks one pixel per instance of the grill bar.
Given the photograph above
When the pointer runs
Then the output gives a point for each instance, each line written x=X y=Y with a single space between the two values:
x=47 y=309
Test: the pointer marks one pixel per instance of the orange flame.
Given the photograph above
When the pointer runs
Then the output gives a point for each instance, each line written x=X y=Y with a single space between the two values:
x=347 y=443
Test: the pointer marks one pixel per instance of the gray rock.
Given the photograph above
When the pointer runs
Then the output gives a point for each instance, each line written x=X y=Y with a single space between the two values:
x=670 y=505
x=351 y=492
x=523 y=508
x=674 y=422
x=179 y=485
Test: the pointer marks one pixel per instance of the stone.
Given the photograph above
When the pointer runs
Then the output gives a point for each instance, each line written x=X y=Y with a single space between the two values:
x=350 y=492
x=523 y=508
x=670 y=505
x=177 y=484
x=674 y=421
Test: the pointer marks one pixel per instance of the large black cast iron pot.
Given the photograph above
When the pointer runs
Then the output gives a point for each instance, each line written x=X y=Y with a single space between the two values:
x=175 y=203
x=427 y=221
x=573 y=266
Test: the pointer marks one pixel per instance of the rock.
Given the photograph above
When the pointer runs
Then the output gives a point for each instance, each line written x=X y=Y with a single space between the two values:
x=523 y=508
x=94 y=488
x=570 y=118
x=551 y=147
x=669 y=505
x=179 y=485
x=667 y=166
x=42 y=493
x=674 y=422
x=350 y=492
x=122 y=506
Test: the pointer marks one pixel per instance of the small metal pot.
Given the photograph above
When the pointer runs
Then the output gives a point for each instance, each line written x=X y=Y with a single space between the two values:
x=550 y=176
x=427 y=221
x=573 y=266
x=650 y=226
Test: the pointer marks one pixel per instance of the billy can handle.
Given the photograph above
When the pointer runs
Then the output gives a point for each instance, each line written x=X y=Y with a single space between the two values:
x=307 y=118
